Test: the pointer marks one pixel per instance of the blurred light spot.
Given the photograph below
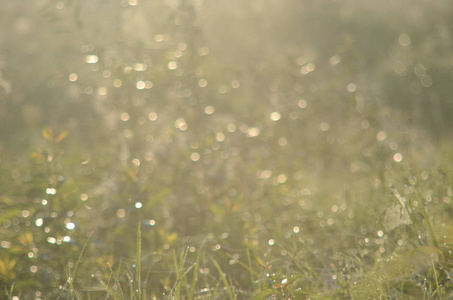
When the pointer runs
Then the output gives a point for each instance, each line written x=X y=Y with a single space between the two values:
x=33 y=269
x=351 y=87
x=44 y=202
x=264 y=174
x=300 y=60
x=117 y=83
x=334 y=208
x=275 y=116
x=381 y=135
x=51 y=191
x=132 y=2
x=393 y=145
x=399 y=68
x=253 y=132
x=120 y=213
x=404 y=40
x=308 y=68
x=281 y=178
x=203 y=51
x=202 y=82
x=235 y=84
x=140 y=67
x=102 y=91
x=152 y=116
x=25 y=213
x=302 y=103
x=324 y=126
x=182 y=46
x=140 y=85
x=39 y=222
x=296 y=229
x=398 y=157
x=151 y=222
x=136 y=162
x=5 y=244
x=192 y=249
x=177 y=53
x=231 y=128
x=88 y=90
x=420 y=70
x=282 y=141
x=51 y=240
x=380 y=233
x=138 y=205
x=220 y=136
x=195 y=156
x=271 y=242
x=124 y=116
x=148 y=84
x=365 y=124
x=172 y=65
x=222 y=89
x=91 y=59
x=158 y=38
x=106 y=74
x=66 y=239
x=335 y=60
x=70 y=226
x=6 y=223
x=305 y=192
x=209 y=110
x=73 y=77
x=181 y=124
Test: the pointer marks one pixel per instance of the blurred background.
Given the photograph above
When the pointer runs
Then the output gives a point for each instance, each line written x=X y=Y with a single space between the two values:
x=195 y=114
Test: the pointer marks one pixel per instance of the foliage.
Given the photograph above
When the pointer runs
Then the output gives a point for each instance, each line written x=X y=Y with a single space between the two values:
x=149 y=151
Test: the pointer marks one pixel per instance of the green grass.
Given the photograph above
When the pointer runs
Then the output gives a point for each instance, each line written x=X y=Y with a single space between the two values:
x=149 y=152
x=386 y=239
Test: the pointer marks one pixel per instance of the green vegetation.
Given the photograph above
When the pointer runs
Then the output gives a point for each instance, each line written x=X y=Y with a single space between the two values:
x=226 y=149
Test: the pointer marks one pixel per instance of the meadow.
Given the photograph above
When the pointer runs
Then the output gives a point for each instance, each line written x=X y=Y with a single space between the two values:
x=226 y=149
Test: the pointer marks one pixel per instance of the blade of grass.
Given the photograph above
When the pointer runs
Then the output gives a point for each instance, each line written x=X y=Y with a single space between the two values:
x=71 y=277
x=195 y=275
x=224 y=279
x=10 y=292
x=139 y=261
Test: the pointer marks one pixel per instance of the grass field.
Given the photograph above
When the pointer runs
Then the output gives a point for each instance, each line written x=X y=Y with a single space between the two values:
x=226 y=150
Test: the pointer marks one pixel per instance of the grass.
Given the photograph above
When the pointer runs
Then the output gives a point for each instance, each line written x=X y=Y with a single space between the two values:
x=172 y=163
x=403 y=252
